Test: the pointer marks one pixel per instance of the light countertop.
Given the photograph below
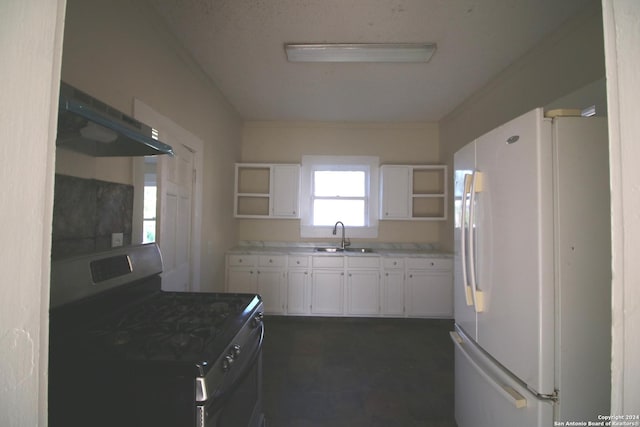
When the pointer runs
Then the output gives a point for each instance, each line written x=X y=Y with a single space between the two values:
x=378 y=249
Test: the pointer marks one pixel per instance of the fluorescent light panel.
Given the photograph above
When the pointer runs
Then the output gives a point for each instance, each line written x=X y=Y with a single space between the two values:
x=367 y=52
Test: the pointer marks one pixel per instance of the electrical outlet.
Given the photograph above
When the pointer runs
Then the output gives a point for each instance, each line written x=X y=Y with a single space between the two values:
x=117 y=239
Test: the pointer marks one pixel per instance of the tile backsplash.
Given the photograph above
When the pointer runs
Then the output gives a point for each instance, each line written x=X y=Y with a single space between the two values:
x=85 y=214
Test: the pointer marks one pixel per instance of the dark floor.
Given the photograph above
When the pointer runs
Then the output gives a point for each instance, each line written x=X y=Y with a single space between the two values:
x=346 y=372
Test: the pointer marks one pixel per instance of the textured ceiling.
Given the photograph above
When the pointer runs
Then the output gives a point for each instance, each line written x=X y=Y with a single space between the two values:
x=239 y=43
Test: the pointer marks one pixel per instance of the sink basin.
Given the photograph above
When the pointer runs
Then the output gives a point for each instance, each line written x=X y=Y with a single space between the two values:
x=360 y=250
x=332 y=249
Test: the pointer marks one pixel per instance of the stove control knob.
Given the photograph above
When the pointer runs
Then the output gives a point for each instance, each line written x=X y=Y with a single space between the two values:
x=227 y=362
x=257 y=319
x=235 y=350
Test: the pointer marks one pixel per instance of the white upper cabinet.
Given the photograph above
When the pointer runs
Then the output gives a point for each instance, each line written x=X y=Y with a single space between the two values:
x=413 y=192
x=286 y=185
x=395 y=191
x=264 y=190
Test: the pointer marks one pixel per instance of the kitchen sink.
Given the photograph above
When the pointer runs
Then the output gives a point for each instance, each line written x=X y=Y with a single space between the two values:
x=333 y=249
x=360 y=250
x=328 y=249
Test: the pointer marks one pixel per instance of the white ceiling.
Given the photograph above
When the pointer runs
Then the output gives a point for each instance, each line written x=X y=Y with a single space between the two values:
x=239 y=43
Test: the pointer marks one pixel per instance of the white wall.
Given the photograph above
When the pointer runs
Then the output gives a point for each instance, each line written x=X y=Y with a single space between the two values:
x=287 y=142
x=30 y=47
x=622 y=38
x=118 y=50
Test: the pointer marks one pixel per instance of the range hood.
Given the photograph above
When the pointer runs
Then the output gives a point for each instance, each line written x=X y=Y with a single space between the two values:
x=90 y=126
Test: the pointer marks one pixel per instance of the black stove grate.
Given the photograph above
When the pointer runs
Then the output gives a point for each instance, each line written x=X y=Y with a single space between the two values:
x=169 y=326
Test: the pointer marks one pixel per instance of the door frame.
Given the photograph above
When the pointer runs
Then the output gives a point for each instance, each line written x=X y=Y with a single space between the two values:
x=146 y=114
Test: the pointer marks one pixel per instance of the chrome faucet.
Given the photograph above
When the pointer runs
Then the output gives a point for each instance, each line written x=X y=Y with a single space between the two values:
x=344 y=242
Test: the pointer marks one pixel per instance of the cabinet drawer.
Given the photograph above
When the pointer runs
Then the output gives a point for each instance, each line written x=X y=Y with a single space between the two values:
x=298 y=261
x=429 y=263
x=363 y=262
x=272 y=261
x=328 y=261
x=237 y=260
x=391 y=263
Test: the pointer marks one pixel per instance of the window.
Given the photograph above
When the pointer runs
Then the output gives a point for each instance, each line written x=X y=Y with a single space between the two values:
x=149 y=203
x=149 y=218
x=339 y=188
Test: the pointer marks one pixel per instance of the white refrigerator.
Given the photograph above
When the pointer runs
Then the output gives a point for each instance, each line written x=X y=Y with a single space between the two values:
x=532 y=274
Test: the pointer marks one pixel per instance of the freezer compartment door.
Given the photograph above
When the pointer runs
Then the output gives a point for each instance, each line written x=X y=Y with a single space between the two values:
x=488 y=396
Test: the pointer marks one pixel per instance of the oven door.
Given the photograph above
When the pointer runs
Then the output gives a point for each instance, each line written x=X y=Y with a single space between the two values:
x=241 y=403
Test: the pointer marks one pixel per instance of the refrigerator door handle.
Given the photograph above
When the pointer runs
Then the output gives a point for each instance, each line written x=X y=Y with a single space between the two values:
x=463 y=241
x=478 y=295
x=515 y=398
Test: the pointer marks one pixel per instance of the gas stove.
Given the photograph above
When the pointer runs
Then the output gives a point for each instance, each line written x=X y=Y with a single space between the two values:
x=154 y=358
x=166 y=327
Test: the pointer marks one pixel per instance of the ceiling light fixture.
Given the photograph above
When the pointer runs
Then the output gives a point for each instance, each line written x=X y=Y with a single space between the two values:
x=363 y=52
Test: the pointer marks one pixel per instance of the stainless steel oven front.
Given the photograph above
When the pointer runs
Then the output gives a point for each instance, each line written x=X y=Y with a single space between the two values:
x=239 y=404
x=123 y=352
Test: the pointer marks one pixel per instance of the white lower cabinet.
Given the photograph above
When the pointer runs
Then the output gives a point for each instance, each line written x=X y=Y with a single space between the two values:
x=297 y=293
x=327 y=285
x=429 y=288
x=393 y=287
x=363 y=286
x=270 y=287
x=263 y=275
x=351 y=285
x=393 y=293
x=298 y=301
x=242 y=274
x=242 y=280
x=327 y=292
x=363 y=292
x=271 y=282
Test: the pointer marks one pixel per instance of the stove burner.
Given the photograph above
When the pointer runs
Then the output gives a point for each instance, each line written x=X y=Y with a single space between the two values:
x=171 y=326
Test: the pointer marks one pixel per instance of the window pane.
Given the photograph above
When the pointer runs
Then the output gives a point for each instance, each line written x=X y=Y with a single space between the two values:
x=339 y=183
x=149 y=202
x=327 y=212
x=149 y=214
x=148 y=231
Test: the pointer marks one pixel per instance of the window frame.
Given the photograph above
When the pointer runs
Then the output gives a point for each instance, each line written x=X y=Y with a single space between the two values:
x=313 y=163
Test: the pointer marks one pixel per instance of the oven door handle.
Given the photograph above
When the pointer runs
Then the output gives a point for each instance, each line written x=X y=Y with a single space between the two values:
x=222 y=398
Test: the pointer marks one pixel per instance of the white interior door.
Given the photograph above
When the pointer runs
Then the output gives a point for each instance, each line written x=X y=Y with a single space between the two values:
x=176 y=203
x=179 y=201
x=515 y=248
